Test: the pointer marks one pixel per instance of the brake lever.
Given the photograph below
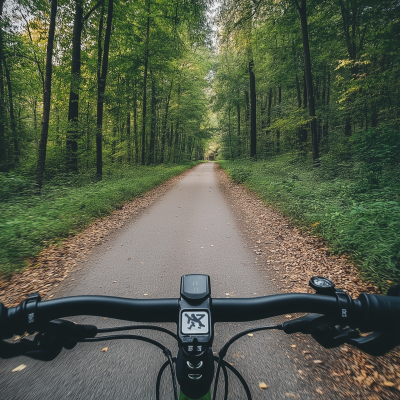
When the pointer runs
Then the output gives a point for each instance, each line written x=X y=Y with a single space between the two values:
x=327 y=334
x=47 y=345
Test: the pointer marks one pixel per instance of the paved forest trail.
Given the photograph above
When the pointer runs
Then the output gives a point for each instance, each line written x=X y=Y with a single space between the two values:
x=189 y=230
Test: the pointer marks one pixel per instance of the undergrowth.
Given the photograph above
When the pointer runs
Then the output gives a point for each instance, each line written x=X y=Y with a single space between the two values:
x=353 y=205
x=29 y=223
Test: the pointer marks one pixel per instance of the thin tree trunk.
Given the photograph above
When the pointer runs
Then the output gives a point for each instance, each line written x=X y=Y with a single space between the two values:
x=12 y=115
x=307 y=62
x=298 y=92
x=278 y=132
x=128 y=136
x=263 y=109
x=146 y=61
x=73 y=109
x=238 y=130
x=101 y=87
x=153 y=120
x=135 y=126
x=268 y=130
x=46 y=98
x=164 y=128
x=170 y=143
x=253 y=112
x=87 y=135
x=176 y=144
x=230 y=134
x=300 y=129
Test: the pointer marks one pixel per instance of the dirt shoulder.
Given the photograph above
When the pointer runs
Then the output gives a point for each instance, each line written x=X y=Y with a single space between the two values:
x=54 y=264
x=290 y=258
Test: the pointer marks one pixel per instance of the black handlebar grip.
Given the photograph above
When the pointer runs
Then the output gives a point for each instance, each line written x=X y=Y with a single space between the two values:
x=379 y=313
x=4 y=332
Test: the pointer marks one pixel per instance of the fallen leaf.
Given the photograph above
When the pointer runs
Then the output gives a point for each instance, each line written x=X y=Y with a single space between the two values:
x=317 y=361
x=305 y=352
x=293 y=345
x=250 y=334
x=19 y=368
x=388 y=384
x=262 y=385
x=315 y=224
x=104 y=349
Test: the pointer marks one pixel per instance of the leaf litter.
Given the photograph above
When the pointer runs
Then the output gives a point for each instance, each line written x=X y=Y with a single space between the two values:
x=289 y=257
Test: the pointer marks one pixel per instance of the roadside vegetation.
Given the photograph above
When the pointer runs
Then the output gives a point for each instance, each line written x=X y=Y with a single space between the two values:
x=353 y=204
x=29 y=223
x=310 y=90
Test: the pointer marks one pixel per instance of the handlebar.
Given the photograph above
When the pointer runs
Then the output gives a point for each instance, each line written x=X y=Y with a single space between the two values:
x=368 y=312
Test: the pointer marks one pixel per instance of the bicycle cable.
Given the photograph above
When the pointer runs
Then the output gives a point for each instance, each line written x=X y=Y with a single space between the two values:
x=165 y=350
x=132 y=327
x=223 y=351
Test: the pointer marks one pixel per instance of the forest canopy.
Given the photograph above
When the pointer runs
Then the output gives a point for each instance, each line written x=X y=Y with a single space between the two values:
x=87 y=84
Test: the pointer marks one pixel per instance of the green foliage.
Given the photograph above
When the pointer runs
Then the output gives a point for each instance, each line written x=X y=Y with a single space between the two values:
x=12 y=185
x=30 y=223
x=362 y=221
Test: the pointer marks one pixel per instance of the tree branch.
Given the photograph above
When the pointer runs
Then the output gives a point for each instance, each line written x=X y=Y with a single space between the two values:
x=87 y=16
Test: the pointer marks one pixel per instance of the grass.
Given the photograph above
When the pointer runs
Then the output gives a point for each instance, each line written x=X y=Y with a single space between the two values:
x=29 y=223
x=337 y=202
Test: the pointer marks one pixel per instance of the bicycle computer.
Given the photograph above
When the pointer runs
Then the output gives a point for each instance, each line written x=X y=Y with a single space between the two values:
x=195 y=287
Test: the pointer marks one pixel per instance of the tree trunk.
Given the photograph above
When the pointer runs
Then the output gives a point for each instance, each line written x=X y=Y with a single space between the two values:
x=12 y=115
x=46 y=98
x=87 y=135
x=268 y=131
x=307 y=63
x=238 y=130
x=253 y=112
x=230 y=134
x=300 y=129
x=128 y=136
x=298 y=92
x=153 y=120
x=164 y=128
x=176 y=144
x=171 y=138
x=146 y=61
x=101 y=87
x=135 y=127
x=73 y=109
x=278 y=132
